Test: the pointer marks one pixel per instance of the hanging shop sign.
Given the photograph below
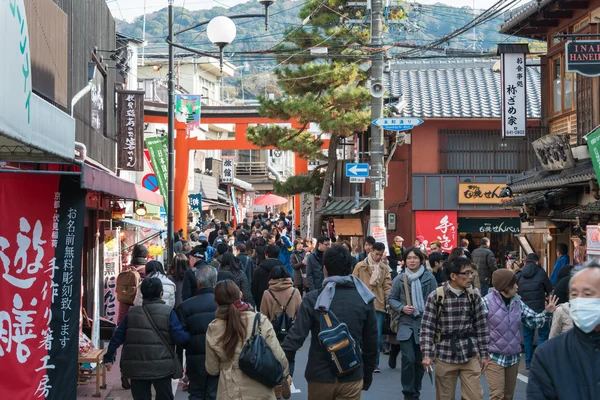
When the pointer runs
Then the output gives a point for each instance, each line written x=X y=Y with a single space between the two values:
x=41 y=239
x=438 y=225
x=157 y=147
x=195 y=201
x=307 y=210
x=187 y=108
x=554 y=152
x=593 y=142
x=480 y=193
x=593 y=238
x=131 y=130
x=514 y=95
x=583 y=57
x=489 y=225
x=228 y=169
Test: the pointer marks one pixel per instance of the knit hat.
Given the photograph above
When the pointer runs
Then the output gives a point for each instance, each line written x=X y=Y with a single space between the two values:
x=421 y=239
x=139 y=251
x=502 y=279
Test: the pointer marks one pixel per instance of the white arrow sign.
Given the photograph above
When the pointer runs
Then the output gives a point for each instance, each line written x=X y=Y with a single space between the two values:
x=355 y=169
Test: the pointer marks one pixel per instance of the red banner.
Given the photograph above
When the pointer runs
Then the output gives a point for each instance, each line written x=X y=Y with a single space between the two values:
x=40 y=253
x=438 y=225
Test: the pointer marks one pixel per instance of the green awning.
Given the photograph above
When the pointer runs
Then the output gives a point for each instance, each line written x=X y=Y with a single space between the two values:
x=343 y=207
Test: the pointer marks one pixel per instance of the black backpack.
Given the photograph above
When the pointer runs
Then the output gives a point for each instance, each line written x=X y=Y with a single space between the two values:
x=282 y=323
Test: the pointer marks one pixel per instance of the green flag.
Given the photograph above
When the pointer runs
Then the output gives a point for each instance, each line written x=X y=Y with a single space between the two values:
x=157 y=147
x=593 y=142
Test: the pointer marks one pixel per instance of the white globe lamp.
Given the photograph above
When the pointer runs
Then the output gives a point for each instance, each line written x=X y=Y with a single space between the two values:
x=221 y=31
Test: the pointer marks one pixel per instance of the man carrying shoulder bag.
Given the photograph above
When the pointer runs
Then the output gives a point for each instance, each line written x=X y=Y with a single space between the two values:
x=343 y=306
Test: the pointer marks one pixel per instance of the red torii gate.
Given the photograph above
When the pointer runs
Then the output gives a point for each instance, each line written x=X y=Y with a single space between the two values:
x=241 y=117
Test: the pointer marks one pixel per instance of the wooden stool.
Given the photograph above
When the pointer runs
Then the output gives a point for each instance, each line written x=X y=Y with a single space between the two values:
x=95 y=356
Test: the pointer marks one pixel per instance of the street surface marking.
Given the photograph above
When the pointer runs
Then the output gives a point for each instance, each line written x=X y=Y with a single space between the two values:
x=523 y=378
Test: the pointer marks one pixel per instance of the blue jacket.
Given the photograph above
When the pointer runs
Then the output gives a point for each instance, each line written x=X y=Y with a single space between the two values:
x=178 y=336
x=285 y=253
x=209 y=253
x=561 y=262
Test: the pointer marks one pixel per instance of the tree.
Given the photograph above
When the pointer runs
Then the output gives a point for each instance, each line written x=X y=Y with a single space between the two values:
x=329 y=92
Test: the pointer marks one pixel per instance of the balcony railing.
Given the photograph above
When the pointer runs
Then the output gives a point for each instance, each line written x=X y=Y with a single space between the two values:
x=484 y=152
x=257 y=170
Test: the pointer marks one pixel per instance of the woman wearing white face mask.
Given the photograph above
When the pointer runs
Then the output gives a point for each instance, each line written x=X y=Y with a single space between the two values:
x=566 y=366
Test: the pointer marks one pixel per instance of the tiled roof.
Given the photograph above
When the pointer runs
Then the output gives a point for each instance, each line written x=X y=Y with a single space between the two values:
x=534 y=198
x=456 y=89
x=536 y=179
x=342 y=207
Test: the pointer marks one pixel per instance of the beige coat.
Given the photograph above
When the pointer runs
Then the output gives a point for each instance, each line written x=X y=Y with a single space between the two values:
x=233 y=383
x=382 y=290
x=282 y=289
x=561 y=320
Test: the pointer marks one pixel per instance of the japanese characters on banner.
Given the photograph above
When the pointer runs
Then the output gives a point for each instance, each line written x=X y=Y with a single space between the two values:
x=41 y=239
x=514 y=91
x=307 y=210
x=195 y=202
x=158 y=150
x=187 y=108
x=228 y=171
x=237 y=210
x=131 y=130
x=112 y=262
x=438 y=225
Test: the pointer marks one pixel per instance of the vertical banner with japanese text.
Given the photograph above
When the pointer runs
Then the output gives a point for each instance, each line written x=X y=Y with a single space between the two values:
x=158 y=150
x=228 y=169
x=41 y=239
x=438 y=225
x=514 y=95
x=307 y=210
x=112 y=262
x=131 y=130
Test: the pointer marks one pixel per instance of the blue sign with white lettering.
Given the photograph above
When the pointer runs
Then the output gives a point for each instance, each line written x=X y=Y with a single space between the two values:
x=357 y=170
x=398 y=124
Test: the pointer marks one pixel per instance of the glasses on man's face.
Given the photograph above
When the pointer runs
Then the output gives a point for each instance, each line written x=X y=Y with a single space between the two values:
x=469 y=273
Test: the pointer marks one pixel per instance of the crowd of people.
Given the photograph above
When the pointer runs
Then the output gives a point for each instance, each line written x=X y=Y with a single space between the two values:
x=452 y=315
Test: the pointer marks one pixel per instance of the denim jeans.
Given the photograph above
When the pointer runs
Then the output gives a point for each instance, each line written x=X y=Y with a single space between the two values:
x=484 y=289
x=412 y=367
x=380 y=317
x=528 y=335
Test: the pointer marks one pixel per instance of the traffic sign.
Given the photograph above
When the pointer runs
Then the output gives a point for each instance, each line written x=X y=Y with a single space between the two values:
x=150 y=182
x=358 y=180
x=398 y=124
x=357 y=170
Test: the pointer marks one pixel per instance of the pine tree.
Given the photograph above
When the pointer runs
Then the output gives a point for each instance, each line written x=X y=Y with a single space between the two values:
x=329 y=91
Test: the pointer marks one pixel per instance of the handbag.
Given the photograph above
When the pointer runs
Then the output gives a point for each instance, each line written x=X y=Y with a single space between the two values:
x=335 y=338
x=257 y=359
x=282 y=323
x=388 y=329
x=178 y=367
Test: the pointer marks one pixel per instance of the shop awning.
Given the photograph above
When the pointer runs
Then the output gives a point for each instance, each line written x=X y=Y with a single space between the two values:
x=343 y=207
x=536 y=179
x=144 y=225
x=100 y=181
x=208 y=205
x=243 y=185
x=535 y=198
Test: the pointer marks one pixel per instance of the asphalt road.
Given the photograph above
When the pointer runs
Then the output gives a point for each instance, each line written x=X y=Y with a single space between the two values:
x=385 y=384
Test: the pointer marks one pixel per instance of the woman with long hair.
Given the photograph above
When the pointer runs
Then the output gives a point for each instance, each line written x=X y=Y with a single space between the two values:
x=225 y=338
x=155 y=269
x=177 y=273
x=229 y=264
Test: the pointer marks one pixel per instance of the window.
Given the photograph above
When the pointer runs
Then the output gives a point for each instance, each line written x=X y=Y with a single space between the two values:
x=564 y=87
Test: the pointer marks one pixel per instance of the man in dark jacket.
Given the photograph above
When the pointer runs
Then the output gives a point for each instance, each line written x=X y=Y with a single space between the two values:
x=145 y=359
x=314 y=264
x=565 y=367
x=485 y=260
x=195 y=315
x=197 y=259
x=260 y=279
x=352 y=303
x=534 y=287
x=245 y=262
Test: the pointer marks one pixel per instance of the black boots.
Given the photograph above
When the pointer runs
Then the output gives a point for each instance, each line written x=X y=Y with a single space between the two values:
x=394 y=355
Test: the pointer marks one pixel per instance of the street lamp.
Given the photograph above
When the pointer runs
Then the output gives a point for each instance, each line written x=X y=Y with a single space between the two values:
x=221 y=31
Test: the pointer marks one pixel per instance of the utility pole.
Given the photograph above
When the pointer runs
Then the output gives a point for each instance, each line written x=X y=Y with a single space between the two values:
x=171 y=140
x=377 y=221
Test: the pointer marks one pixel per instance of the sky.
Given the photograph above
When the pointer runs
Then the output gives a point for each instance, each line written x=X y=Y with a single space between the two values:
x=129 y=9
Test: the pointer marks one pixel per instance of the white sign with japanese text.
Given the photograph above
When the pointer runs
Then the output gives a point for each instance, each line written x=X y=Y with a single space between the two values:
x=228 y=169
x=514 y=95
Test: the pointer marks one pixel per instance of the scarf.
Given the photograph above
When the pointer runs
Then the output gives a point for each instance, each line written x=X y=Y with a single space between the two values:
x=223 y=310
x=397 y=250
x=326 y=296
x=375 y=268
x=416 y=289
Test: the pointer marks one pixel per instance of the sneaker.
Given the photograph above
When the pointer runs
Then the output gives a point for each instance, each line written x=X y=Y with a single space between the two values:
x=377 y=370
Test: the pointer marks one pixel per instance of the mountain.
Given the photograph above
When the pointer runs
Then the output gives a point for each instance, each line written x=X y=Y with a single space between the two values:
x=422 y=25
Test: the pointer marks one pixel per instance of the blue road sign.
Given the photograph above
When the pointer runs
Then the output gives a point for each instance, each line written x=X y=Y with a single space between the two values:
x=398 y=124
x=357 y=170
